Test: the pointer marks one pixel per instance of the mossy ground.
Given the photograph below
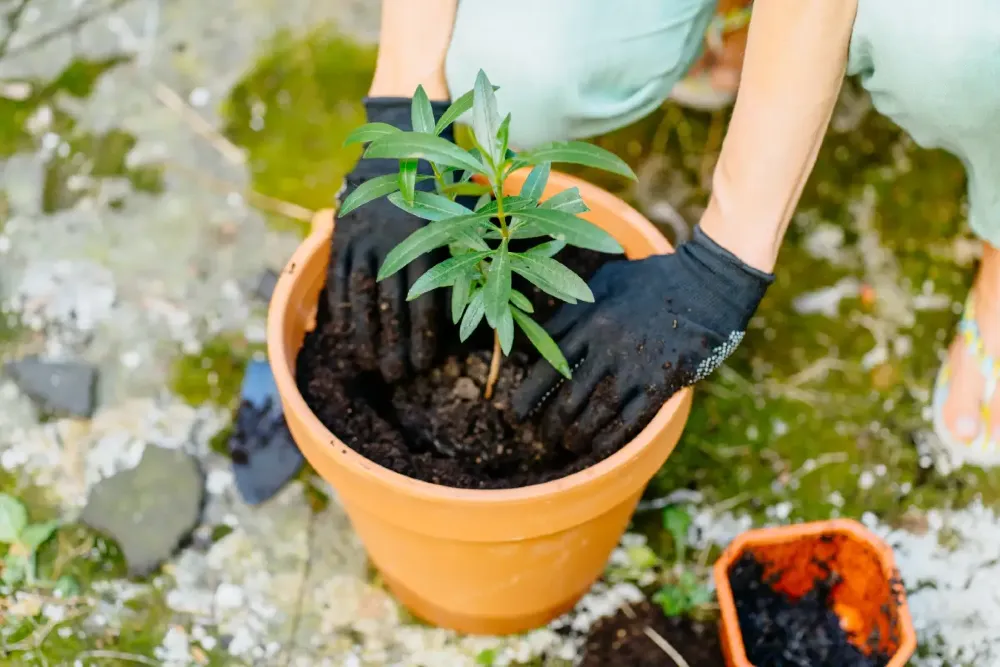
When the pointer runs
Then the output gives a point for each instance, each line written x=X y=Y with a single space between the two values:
x=795 y=392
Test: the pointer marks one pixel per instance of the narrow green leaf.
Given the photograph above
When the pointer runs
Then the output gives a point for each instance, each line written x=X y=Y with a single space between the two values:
x=429 y=206
x=371 y=189
x=36 y=534
x=461 y=291
x=511 y=204
x=505 y=330
x=483 y=201
x=521 y=301
x=407 y=179
x=551 y=277
x=579 y=152
x=567 y=201
x=433 y=235
x=456 y=110
x=15 y=569
x=503 y=137
x=473 y=315
x=13 y=518
x=465 y=189
x=548 y=249
x=485 y=117
x=370 y=132
x=567 y=227
x=471 y=240
x=402 y=145
x=534 y=184
x=497 y=290
x=543 y=343
x=445 y=273
x=421 y=113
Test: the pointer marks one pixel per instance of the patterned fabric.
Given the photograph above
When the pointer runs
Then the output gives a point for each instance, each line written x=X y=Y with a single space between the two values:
x=984 y=450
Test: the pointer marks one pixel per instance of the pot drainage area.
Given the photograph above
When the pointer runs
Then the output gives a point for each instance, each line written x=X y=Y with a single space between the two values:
x=159 y=167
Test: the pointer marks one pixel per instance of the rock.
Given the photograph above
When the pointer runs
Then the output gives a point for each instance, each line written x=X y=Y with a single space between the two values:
x=58 y=387
x=265 y=285
x=264 y=455
x=150 y=509
x=466 y=389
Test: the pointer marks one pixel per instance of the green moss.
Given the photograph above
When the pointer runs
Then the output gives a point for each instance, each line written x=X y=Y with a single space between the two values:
x=214 y=375
x=292 y=113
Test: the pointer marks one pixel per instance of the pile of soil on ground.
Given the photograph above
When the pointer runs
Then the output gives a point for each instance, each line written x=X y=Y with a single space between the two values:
x=781 y=632
x=436 y=426
x=621 y=640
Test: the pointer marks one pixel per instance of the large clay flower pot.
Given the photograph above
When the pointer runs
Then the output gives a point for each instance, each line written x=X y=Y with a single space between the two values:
x=495 y=561
x=869 y=599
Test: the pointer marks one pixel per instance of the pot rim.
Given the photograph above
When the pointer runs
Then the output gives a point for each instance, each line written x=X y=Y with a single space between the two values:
x=732 y=636
x=284 y=371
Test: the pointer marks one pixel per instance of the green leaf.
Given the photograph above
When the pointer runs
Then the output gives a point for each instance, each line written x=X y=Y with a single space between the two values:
x=534 y=184
x=505 y=330
x=578 y=152
x=503 y=137
x=483 y=201
x=446 y=273
x=427 y=238
x=485 y=117
x=36 y=534
x=672 y=600
x=429 y=206
x=461 y=291
x=521 y=301
x=421 y=113
x=66 y=587
x=486 y=657
x=677 y=522
x=568 y=201
x=497 y=290
x=551 y=277
x=511 y=204
x=370 y=132
x=13 y=518
x=473 y=315
x=371 y=189
x=461 y=189
x=456 y=110
x=407 y=179
x=543 y=343
x=402 y=145
x=15 y=569
x=567 y=227
x=548 y=249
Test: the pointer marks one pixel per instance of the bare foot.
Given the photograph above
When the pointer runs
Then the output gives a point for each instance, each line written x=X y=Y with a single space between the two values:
x=964 y=413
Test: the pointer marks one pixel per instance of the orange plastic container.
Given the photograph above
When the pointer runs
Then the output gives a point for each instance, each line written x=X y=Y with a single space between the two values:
x=869 y=599
x=495 y=561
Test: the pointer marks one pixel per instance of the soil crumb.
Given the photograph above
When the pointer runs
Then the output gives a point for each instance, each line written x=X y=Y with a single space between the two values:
x=622 y=640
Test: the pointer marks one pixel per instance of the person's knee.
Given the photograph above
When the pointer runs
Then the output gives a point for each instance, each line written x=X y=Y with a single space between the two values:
x=577 y=76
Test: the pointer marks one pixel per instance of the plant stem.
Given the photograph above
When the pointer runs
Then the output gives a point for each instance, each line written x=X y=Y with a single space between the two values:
x=498 y=193
x=494 y=367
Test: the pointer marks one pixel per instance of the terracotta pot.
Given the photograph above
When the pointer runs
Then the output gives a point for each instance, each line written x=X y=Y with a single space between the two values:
x=869 y=599
x=496 y=561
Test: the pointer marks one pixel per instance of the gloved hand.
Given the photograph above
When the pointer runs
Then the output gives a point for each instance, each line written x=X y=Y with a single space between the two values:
x=656 y=325
x=390 y=334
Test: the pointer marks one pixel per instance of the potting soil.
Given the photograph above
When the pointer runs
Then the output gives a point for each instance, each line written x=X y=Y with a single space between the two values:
x=622 y=640
x=436 y=426
x=781 y=632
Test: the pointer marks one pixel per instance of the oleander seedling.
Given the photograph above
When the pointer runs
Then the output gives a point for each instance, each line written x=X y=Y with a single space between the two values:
x=482 y=262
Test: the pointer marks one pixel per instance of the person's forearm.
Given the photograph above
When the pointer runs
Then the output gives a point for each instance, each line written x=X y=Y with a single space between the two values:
x=413 y=42
x=794 y=68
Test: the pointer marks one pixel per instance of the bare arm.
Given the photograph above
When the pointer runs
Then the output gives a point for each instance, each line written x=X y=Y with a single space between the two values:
x=413 y=43
x=794 y=68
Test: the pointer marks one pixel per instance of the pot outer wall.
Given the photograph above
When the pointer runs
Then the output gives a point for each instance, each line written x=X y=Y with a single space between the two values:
x=481 y=562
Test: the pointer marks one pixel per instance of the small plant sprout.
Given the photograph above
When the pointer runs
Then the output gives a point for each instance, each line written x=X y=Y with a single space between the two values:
x=682 y=592
x=479 y=238
x=22 y=539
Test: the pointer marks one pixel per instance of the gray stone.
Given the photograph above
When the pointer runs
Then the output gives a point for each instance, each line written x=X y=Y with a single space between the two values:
x=265 y=283
x=59 y=387
x=150 y=509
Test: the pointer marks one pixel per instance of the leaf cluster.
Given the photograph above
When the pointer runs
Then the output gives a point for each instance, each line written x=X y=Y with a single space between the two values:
x=23 y=540
x=482 y=262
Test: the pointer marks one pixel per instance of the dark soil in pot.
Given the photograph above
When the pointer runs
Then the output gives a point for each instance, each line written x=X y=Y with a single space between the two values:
x=781 y=632
x=622 y=640
x=436 y=426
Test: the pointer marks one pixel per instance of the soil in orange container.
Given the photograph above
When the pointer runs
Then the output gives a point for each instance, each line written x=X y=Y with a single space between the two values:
x=823 y=602
x=436 y=426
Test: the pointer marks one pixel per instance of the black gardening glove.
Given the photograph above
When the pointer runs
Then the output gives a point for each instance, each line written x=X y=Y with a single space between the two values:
x=656 y=325
x=389 y=333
